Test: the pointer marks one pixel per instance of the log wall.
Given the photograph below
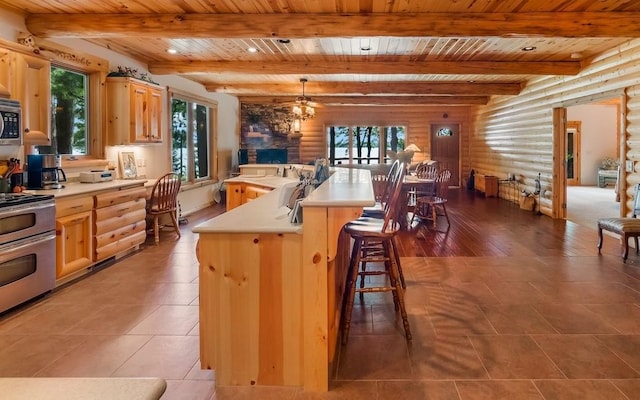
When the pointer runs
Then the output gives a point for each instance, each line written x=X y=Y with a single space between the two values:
x=514 y=134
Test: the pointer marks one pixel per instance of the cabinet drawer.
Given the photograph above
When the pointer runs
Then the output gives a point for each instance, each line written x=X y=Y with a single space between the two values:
x=73 y=205
x=118 y=210
x=120 y=196
x=115 y=247
x=119 y=234
x=117 y=222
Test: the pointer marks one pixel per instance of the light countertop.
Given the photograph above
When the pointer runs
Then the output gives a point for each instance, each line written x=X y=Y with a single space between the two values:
x=262 y=215
x=345 y=188
x=268 y=214
x=82 y=388
x=269 y=181
x=77 y=188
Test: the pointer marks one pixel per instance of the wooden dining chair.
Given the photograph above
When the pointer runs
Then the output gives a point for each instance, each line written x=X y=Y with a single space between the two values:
x=425 y=170
x=430 y=207
x=164 y=200
x=382 y=185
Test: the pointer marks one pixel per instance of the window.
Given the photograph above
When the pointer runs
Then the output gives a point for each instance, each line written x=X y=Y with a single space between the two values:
x=191 y=138
x=69 y=112
x=444 y=132
x=363 y=144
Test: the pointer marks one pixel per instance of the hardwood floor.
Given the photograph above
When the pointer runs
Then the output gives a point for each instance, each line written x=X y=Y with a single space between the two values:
x=505 y=305
x=484 y=227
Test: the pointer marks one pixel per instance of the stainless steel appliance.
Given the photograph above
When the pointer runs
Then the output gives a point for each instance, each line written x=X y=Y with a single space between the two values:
x=10 y=122
x=27 y=247
x=44 y=172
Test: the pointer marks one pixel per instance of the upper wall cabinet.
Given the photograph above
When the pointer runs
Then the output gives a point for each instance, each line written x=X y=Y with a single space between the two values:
x=7 y=60
x=134 y=111
x=27 y=78
x=33 y=77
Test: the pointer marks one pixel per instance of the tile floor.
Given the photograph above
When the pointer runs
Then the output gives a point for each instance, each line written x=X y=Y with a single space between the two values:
x=519 y=327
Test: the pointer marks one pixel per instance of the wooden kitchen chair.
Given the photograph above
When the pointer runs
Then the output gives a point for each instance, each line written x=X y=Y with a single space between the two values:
x=382 y=185
x=430 y=207
x=164 y=200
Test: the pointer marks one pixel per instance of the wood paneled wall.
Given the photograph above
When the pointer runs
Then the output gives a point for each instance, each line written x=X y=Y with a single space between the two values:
x=416 y=119
x=514 y=134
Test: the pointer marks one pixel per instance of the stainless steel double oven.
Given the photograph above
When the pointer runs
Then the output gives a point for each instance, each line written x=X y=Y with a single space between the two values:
x=27 y=247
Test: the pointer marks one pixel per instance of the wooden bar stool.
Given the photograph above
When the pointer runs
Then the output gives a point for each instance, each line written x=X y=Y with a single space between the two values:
x=381 y=232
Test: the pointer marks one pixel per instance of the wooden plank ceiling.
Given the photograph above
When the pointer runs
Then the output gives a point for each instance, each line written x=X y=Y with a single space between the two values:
x=351 y=51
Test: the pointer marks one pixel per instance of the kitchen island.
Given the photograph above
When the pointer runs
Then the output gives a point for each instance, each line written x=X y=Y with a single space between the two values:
x=271 y=291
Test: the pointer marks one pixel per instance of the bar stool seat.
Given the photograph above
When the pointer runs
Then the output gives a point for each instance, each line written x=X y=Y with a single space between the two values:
x=373 y=243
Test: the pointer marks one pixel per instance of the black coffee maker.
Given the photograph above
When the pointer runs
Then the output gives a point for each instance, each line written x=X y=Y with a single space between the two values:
x=44 y=171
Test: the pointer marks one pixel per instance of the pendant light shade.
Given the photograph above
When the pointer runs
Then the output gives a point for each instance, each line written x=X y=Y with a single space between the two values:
x=303 y=108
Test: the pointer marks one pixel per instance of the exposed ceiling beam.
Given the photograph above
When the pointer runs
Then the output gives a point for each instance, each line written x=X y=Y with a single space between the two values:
x=368 y=88
x=373 y=100
x=338 y=66
x=540 y=24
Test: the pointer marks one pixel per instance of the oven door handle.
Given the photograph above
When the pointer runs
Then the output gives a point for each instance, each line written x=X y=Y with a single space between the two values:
x=24 y=243
x=27 y=208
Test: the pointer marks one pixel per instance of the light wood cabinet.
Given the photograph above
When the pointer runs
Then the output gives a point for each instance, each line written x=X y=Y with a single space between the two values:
x=30 y=84
x=239 y=193
x=93 y=227
x=234 y=195
x=134 y=111
x=253 y=192
x=74 y=247
x=488 y=184
x=119 y=221
x=7 y=61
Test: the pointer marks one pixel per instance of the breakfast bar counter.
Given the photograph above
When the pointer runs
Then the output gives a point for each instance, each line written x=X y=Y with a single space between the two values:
x=271 y=291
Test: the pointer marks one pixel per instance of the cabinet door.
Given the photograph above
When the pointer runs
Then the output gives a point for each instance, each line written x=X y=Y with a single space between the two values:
x=155 y=115
x=74 y=250
x=253 y=192
x=32 y=88
x=7 y=61
x=139 y=117
x=235 y=195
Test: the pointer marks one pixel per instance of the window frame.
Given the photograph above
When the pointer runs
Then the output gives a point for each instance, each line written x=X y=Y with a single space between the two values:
x=212 y=136
x=91 y=127
x=96 y=71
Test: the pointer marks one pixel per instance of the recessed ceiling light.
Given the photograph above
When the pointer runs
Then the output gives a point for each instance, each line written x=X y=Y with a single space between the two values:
x=172 y=51
x=471 y=81
x=529 y=48
x=252 y=50
x=365 y=48
x=577 y=55
x=284 y=41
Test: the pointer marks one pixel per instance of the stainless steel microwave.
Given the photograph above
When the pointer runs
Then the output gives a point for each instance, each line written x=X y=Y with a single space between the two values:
x=10 y=122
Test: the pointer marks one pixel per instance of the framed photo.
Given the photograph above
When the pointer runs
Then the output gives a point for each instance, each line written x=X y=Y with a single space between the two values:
x=128 y=168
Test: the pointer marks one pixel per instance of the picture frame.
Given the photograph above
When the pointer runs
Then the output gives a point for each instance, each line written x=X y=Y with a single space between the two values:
x=128 y=169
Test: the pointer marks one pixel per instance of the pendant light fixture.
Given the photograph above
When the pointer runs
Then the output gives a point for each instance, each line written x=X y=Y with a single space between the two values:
x=303 y=109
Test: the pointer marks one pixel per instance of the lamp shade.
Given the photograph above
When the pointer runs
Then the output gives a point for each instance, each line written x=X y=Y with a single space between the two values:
x=412 y=147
